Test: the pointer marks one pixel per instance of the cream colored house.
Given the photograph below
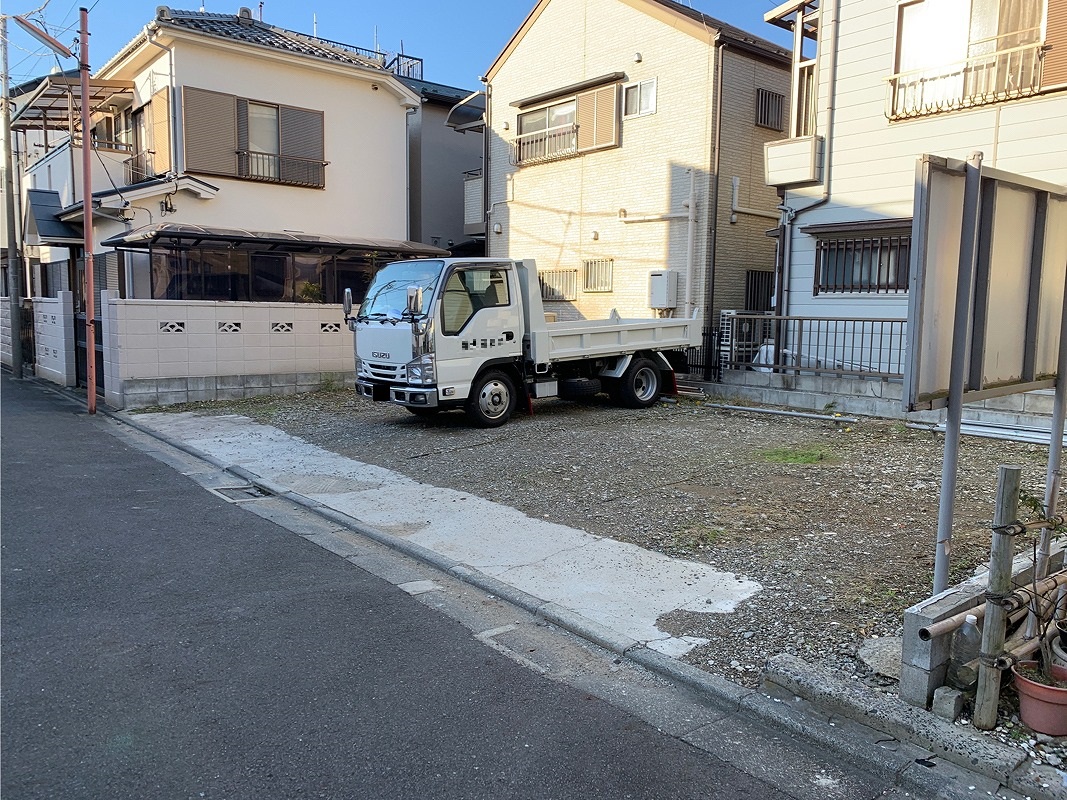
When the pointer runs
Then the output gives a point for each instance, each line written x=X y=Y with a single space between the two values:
x=202 y=163
x=878 y=84
x=616 y=132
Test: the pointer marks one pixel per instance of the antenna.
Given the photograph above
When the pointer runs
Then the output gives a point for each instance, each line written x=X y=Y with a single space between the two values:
x=315 y=25
x=260 y=10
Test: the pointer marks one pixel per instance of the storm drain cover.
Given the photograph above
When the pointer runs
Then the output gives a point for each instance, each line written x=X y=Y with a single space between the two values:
x=236 y=494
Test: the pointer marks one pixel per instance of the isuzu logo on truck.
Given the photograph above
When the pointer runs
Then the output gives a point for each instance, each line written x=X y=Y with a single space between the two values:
x=379 y=355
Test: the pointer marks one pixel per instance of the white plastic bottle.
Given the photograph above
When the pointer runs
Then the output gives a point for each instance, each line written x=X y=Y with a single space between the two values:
x=965 y=647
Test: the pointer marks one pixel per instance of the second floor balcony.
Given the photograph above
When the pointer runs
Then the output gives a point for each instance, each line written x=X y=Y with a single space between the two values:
x=551 y=144
x=1005 y=74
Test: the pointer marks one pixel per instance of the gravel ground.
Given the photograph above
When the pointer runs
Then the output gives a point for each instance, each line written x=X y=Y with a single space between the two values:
x=836 y=519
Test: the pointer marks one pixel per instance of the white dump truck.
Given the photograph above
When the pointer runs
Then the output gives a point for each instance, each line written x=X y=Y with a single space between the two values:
x=435 y=334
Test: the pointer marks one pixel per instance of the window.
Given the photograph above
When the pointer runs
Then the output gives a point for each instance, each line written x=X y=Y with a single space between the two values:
x=639 y=99
x=597 y=272
x=568 y=127
x=547 y=133
x=467 y=292
x=241 y=138
x=874 y=264
x=558 y=284
x=770 y=110
x=954 y=54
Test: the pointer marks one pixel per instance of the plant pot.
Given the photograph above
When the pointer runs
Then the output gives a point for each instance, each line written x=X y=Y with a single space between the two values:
x=1043 y=708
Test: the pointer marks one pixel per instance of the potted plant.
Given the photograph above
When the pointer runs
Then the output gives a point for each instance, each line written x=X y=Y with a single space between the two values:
x=1042 y=684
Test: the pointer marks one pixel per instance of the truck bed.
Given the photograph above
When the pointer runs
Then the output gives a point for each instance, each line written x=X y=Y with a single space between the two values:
x=569 y=341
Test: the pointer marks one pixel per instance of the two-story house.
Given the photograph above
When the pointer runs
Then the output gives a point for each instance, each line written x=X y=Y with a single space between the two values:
x=624 y=153
x=877 y=84
x=216 y=184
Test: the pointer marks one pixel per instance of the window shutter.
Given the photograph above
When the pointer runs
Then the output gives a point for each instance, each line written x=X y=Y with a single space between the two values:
x=597 y=117
x=242 y=136
x=302 y=145
x=210 y=129
x=1055 y=66
x=161 y=131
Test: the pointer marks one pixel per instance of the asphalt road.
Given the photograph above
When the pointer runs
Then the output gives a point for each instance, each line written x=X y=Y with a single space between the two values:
x=159 y=642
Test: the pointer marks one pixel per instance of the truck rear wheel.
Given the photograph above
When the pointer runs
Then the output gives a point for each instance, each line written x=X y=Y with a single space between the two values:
x=492 y=400
x=639 y=386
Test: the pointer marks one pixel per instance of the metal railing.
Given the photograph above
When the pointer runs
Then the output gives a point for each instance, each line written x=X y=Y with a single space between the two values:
x=547 y=145
x=398 y=63
x=806 y=94
x=274 y=168
x=138 y=167
x=813 y=345
x=1002 y=75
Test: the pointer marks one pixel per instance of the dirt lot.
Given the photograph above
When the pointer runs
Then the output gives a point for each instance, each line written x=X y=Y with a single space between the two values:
x=836 y=519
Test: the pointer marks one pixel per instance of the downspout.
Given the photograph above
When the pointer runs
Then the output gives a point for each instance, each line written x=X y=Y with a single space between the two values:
x=172 y=101
x=690 y=244
x=789 y=213
x=713 y=206
x=487 y=210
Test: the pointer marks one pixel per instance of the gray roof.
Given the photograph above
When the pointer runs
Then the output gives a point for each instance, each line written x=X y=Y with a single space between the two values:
x=436 y=91
x=243 y=27
x=42 y=215
x=738 y=35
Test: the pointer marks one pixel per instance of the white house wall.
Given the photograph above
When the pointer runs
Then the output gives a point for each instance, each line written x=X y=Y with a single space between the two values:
x=872 y=160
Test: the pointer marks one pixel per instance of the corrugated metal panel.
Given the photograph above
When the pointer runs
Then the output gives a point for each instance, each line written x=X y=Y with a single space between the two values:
x=1055 y=67
x=161 y=131
x=210 y=131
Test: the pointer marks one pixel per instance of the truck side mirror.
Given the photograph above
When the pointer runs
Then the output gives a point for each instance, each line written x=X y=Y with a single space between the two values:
x=347 y=302
x=414 y=300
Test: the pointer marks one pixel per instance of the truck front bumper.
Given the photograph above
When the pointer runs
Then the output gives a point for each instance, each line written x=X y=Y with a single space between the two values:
x=401 y=395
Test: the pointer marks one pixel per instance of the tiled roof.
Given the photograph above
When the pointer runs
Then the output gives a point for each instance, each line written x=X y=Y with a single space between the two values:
x=435 y=91
x=247 y=29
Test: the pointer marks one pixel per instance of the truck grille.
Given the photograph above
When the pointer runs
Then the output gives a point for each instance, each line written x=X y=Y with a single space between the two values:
x=384 y=372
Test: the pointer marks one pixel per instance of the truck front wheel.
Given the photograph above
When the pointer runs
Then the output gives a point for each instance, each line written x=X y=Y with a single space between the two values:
x=639 y=386
x=492 y=400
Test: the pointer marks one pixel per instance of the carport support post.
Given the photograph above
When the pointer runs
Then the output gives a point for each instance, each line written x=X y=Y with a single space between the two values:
x=958 y=370
x=987 y=694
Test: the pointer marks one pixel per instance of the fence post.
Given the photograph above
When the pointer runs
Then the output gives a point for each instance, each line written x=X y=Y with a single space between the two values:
x=987 y=694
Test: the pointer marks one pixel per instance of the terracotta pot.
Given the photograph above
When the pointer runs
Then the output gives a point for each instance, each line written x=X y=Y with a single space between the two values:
x=1043 y=708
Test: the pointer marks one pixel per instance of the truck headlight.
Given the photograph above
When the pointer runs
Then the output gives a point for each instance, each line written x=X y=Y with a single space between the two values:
x=421 y=370
x=359 y=365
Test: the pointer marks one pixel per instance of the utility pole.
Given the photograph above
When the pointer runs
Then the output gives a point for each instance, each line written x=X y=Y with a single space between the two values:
x=14 y=263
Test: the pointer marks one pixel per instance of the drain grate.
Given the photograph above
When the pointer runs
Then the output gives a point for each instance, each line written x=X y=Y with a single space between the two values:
x=237 y=494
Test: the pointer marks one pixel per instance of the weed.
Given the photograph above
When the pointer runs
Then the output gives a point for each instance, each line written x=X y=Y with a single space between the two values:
x=796 y=455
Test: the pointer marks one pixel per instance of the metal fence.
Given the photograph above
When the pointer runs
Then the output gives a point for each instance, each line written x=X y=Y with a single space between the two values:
x=822 y=345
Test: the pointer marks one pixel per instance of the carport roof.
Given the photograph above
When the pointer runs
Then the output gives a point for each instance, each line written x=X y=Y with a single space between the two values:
x=192 y=235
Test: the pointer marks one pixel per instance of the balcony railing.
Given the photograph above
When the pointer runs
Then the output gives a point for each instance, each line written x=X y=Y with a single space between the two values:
x=1003 y=75
x=139 y=167
x=813 y=345
x=274 y=168
x=551 y=144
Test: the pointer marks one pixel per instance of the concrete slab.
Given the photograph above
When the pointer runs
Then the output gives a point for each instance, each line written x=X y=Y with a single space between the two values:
x=619 y=586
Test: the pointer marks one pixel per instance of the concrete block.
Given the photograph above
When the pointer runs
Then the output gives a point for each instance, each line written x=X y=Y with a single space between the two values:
x=283 y=379
x=917 y=685
x=1038 y=402
x=948 y=703
x=173 y=398
x=201 y=384
x=259 y=381
x=230 y=382
x=1011 y=402
x=229 y=394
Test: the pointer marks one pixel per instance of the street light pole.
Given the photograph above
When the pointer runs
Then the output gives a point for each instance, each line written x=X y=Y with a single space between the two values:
x=14 y=263
x=87 y=215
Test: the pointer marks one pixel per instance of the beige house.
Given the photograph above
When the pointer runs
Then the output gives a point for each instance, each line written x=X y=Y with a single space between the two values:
x=625 y=138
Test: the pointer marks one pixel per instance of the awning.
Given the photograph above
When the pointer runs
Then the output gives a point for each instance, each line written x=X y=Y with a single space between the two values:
x=56 y=102
x=468 y=113
x=43 y=225
x=184 y=234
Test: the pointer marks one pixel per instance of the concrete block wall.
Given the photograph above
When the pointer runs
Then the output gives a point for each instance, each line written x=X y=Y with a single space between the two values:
x=5 y=330
x=53 y=334
x=161 y=352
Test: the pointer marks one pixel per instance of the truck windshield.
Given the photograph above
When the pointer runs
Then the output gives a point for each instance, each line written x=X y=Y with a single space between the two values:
x=387 y=296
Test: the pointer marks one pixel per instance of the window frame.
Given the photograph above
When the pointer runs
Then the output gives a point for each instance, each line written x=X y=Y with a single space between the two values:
x=594 y=283
x=637 y=85
x=770 y=103
x=869 y=247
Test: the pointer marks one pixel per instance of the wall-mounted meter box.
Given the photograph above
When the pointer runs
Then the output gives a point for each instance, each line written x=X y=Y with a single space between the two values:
x=663 y=289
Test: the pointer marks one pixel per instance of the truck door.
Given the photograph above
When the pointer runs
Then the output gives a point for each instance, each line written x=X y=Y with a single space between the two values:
x=479 y=320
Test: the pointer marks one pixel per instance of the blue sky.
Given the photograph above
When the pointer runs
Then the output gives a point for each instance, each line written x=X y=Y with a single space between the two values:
x=457 y=39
